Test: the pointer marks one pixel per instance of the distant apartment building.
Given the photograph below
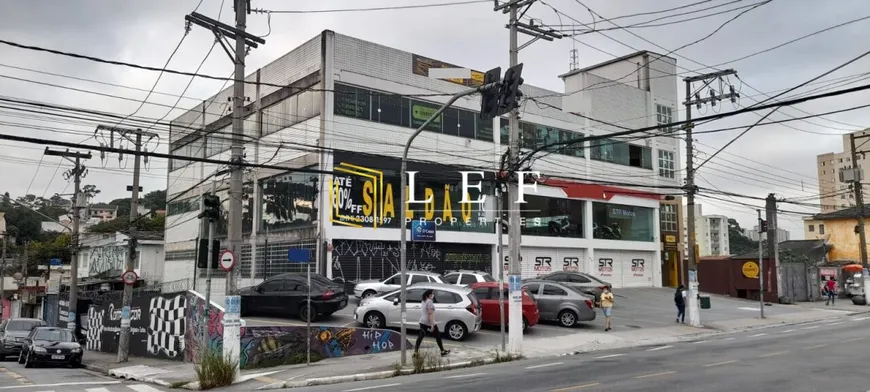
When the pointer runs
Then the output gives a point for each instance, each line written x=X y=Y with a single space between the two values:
x=753 y=234
x=834 y=194
x=103 y=212
x=711 y=234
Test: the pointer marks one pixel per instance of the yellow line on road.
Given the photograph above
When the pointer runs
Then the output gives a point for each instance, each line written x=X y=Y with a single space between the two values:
x=655 y=374
x=720 y=363
x=576 y=387
x=772 y=354
x=816 y=346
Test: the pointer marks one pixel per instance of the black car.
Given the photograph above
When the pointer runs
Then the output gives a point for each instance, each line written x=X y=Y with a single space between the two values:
x=13 y=332
x=51 y=345
x=286 y=295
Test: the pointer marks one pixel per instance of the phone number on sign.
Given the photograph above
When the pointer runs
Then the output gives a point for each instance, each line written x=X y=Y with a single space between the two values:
x=366 y=219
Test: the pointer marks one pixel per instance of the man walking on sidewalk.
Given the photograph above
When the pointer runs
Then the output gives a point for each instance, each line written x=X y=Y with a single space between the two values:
x=831 y=291
x=680 y=301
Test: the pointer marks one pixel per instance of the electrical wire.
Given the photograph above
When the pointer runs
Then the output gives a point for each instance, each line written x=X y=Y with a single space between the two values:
x=392 y=8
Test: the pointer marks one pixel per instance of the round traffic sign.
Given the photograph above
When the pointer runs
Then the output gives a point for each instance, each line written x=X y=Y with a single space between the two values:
x=227 y=260
x=129 y=277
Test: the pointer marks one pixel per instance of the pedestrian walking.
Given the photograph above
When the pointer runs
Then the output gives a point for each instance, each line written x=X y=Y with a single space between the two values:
x=607 y=307
x=680 y=301
x=427 y=323
x=831 y=291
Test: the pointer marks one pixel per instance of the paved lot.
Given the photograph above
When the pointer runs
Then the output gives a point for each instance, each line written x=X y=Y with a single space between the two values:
x=821 y=356
x=14 y=378
x=635 y=308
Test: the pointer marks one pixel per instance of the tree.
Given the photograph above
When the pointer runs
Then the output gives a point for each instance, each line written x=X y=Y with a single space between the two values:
x=90 y=191
x=737 y=242
x=155 y=200
x=123 y=206
x=122 y=224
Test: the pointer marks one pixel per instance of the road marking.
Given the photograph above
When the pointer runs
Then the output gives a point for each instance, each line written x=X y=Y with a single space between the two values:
x=101 y=389
x=545 y=365
x=700 y=341
x=374 y=387
x=659 y=348
x=816 y=346
x=861 y=318
x=731 y=338
x=757 y=335
x=142 y=388
x=655 y=374
x=720 y=363
x=772 y=354
x=576 y=387
x=610 y=356
x=813 y=327
x=852 y=340
x=839 y=322
x=752 y=309
x=467 y=375
x=788 y=330
x=61 y=384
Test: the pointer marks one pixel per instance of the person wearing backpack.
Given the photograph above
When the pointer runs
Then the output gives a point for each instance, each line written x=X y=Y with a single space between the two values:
x=680 y=301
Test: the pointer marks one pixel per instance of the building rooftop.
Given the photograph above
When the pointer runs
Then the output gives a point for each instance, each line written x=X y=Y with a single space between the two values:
x=848 y=213
x=616 y=60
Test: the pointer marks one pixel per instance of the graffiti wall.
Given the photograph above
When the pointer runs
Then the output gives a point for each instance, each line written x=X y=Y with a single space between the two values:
x=354 y=261
x=268 y=346
x=157 y=326
x=106 y=258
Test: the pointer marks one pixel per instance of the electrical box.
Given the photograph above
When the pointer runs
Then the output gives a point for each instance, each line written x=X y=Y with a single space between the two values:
x=851 y=175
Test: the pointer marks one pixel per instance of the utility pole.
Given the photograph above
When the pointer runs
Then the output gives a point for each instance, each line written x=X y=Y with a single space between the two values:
x=694 y=311
x=243 y=40
x=761 y=229
x=135 y=136
x=857 y=175
x=772 y=248
x=256 y=214
x=77 y=172
x=3 y=275
x=515 y=321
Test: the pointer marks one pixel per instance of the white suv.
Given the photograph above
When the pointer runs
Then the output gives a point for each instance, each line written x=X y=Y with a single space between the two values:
x=467 y=278
x=368 y=288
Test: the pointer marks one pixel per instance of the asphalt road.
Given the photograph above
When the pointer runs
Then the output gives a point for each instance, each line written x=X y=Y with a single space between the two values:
x=635 y=308
x=15 y=378
x=822 y=356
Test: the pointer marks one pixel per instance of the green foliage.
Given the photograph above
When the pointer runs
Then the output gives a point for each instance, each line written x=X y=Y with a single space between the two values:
x=122 y=224
x=737 y=242
x=215 y=370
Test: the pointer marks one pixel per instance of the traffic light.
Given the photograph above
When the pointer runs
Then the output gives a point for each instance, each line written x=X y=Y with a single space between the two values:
x=202 y=256
x=489 y=98
x=510 y=93
x=211 y=207
x=762 y=226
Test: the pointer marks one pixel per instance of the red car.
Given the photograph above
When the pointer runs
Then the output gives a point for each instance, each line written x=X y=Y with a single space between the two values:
x=487 y=293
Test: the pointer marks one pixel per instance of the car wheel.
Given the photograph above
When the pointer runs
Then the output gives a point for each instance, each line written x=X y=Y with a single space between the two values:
x=567 y=318
x=368 y=293
x=306 y=312
x=374 y=320
x=525 y=324
x=456 y=330
x=27 y=362
x=21 y=357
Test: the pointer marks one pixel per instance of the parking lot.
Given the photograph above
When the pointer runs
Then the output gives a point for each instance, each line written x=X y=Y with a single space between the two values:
x=634 y=308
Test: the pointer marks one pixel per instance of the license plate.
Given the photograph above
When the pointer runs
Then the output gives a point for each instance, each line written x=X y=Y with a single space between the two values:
x=58 y=357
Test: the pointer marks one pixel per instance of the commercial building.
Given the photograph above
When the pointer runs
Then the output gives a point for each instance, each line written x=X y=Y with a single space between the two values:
x=347 y=109
x=835 y=194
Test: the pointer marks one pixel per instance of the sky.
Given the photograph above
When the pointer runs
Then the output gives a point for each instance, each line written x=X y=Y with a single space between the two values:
x=779 y=158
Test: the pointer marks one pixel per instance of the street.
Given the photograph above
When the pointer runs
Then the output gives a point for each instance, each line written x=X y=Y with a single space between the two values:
x=828 y=355
x=14 y=378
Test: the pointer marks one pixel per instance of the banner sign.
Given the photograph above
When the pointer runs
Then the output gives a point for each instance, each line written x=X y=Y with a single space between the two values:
x=420 y=66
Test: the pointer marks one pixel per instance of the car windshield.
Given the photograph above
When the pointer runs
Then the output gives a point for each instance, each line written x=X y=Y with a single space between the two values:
x=54 y=335
x=488 y=278
x=22 y=325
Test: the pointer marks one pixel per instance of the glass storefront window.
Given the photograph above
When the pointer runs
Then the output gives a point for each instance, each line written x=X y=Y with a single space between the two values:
x=622 y=222
x=551 y=217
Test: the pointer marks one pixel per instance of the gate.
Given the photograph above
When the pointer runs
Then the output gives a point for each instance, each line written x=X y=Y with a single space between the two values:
x=794 y=281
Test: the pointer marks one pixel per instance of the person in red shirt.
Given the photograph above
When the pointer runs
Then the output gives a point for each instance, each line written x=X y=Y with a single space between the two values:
x=831 y=291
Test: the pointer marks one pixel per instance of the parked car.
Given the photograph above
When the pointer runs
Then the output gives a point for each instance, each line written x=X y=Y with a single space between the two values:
x=563 y=303
x=13 y=332
x=466 y=278
x=368 y=288
x=487 y=293
x=457 y=310
x=50 y=345
x=287 y=294
x=587 y=283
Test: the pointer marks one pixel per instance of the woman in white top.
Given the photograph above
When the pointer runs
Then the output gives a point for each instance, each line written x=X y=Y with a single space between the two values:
x=427 y=323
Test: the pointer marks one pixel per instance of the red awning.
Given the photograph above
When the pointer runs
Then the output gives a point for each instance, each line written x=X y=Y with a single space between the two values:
x=579 y=190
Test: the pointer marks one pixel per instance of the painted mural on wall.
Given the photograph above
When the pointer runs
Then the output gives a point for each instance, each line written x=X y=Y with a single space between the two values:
x=354 y=261
x=106 y=258
x=157 y=326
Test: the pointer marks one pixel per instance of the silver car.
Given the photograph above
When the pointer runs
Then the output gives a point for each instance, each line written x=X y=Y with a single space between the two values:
x=563 y=303
x=368 y=288
x=458 y=312
x=467 y=278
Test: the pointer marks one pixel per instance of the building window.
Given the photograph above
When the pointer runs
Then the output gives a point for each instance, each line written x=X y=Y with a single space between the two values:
x=183 y=206
x=288 y=201
x=668 y=217
x=821 y=228
x=622 y=153
x=534 y=136
x=666 y=164
x=548 y=216
x=812 y=228
x=664 y=115
x=622 y=222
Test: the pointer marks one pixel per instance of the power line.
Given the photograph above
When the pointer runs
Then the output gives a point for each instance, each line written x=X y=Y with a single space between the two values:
x=397 y=7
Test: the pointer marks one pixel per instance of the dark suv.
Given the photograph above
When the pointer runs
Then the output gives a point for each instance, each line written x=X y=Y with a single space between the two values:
x=286 y=295
x=13 y=332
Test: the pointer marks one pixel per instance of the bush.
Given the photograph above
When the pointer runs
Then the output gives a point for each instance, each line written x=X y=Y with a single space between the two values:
x=215 y=370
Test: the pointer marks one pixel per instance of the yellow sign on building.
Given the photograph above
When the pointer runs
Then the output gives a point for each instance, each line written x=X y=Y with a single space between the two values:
x=750 y=269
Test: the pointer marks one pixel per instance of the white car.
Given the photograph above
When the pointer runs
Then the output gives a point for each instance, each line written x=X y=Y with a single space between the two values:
x=467 y=278
x=368 y=288
x=458 y=312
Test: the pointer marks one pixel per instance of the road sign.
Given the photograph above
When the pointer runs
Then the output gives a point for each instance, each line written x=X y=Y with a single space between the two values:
x=129 y=277
x=55 y=262
x=228 y=260
x=423 y=230
x=299 y=255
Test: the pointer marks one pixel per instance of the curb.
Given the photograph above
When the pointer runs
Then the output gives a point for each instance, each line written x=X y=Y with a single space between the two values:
x=130 y=376
x=368 y=376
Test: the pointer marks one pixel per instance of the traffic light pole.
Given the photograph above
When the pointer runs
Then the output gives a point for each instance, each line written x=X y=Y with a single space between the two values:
x=760 y=265
x=206 y=315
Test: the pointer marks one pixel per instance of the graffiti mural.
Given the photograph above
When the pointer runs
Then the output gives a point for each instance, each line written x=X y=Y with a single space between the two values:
x=157 y=326
x=106 y=258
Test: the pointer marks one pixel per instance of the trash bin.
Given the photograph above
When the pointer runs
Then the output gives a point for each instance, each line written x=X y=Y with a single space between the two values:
x=705 y=301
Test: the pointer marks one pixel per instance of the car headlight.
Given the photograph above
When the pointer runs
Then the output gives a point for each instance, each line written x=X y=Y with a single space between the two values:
x=39 y=349
x=77 y=350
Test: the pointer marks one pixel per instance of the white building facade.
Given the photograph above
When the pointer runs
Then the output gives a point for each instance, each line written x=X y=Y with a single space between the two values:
x=348 y=109
x=103 y=257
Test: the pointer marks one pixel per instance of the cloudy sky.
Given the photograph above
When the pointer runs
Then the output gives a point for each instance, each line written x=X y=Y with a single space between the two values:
x=775 y=158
